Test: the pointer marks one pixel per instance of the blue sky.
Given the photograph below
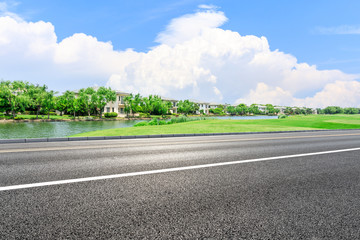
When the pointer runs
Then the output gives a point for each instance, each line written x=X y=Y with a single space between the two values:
x=292 y=26
x=323 y=33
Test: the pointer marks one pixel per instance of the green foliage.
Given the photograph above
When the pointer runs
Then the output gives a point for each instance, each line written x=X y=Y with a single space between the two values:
x=153 y=122
x=254 y=109
x=144 y=115
x=18 y=118
x=217 y=111
x=231 y=110
x=14 y=96
x=156 y=121
x=111 y=115
x=351 y=110
x=141 y=124
x=282 y=116
x=100 y=98
x=187 y=107
x=333 y=110
x=241 y=109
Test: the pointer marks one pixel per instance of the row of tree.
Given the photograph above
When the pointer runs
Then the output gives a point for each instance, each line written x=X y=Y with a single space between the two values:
x=19 y=96
x=155 y=105
x=336 y=110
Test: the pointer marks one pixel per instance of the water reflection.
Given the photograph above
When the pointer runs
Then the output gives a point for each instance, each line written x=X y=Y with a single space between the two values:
x=56 y=129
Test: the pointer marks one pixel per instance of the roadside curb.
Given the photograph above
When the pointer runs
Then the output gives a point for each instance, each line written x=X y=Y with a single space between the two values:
x=34 y=140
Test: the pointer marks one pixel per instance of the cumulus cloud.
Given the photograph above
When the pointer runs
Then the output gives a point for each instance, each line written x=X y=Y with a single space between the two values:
x=189 y=26
x=194 y=59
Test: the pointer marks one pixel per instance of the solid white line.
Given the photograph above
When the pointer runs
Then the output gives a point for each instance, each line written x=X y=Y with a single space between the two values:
x=87 y=179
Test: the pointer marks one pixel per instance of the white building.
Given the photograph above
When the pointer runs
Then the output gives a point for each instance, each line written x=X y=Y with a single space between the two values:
x=118 y=106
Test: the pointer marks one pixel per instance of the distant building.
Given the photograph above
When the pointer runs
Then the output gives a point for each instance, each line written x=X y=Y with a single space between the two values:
x=202 y=106
x=118 y=106
x=174 y=103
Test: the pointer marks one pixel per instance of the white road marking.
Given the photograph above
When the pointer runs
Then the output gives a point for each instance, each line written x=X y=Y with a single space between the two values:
x=141 y=144
x=87 y=179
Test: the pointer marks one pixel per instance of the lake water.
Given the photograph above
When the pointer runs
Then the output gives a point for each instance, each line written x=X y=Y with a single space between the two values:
x=64 y=129
x=56 y=129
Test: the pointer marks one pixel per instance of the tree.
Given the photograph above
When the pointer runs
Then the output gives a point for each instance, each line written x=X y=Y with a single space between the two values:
x=60 y=104
x=186 y=107
x=241 y=109
x=49 y=102
x=270 y=110
x=231 y=110
x=147 y=104
x=288 y=111
x=351 y=110
x=308 y=111
x=71 y=104
x=14 y=96
x=217 y=111
x=37 y=95
x=128 y=101
x=136 y=104
x=333 y=110
x=85 y=100
x=254 y=109
x=102 y=96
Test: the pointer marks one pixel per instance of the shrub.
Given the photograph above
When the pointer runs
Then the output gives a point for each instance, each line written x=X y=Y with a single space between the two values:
x=110 y=115
x=19 y=118
x=141 y=124
x=282 y=116
x=161 y=122
x=153 y=122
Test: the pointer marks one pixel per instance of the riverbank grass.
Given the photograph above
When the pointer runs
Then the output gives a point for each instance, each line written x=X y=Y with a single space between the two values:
x=292 y=123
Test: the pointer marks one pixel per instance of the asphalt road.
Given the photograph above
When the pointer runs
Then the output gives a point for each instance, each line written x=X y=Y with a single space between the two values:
x=260 y=186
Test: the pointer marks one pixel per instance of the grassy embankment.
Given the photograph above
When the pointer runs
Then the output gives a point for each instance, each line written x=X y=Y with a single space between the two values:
x=310 y=122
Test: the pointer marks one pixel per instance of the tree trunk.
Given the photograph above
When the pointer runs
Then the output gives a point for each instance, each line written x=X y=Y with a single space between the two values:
x=74 y=115
x=13 y=113
x=37 y=113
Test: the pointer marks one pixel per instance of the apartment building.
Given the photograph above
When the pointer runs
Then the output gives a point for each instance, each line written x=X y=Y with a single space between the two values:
x=204 y=106
x=174 y=102
x=118 y=105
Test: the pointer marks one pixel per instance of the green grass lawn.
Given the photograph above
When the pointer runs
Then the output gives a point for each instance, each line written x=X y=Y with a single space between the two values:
x=310 y=122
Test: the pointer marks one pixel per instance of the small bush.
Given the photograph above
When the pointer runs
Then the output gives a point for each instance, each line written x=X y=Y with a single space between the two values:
x=282 y=116
x=19 y=118
x=161 y=122
x=153 y=122
x=110 y=115
x=141 y=124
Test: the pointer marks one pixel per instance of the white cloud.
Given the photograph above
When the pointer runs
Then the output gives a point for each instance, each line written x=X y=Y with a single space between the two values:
x=340 y=30
x=339 y=93
x=189 y=26
x=218 y=93
x=195 y=59
x=207 y=6
x=4 y=10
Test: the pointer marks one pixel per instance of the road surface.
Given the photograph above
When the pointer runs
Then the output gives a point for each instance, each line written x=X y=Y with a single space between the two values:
x=256 y=186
